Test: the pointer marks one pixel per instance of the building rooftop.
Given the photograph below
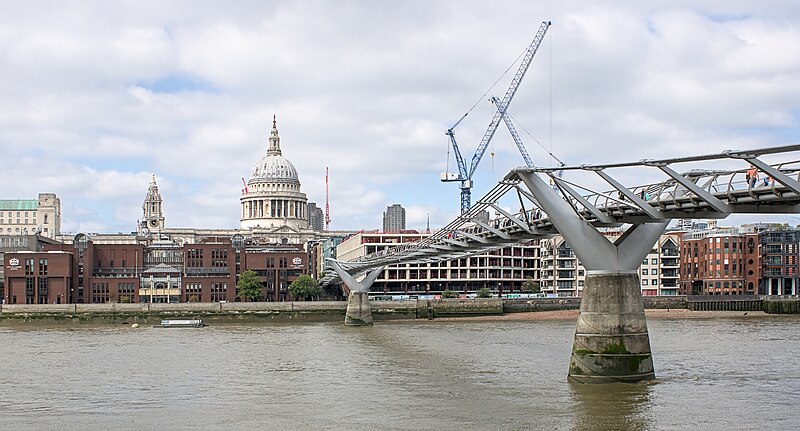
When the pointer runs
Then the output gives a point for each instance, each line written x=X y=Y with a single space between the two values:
x=18 y=204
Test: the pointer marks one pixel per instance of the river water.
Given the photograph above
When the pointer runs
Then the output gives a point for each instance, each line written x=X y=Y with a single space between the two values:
x=726 y=374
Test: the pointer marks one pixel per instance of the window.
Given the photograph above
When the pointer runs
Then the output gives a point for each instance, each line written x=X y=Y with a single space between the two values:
x=644 y=282
x=654 y=261
x=654 y=271
x=644 y=271
x=654 y=282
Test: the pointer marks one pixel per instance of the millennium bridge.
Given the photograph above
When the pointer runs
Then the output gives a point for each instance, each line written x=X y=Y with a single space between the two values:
x=611 y=341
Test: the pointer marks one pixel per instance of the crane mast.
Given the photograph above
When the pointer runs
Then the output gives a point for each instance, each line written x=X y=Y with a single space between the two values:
x=464 y=173
x=327 y=204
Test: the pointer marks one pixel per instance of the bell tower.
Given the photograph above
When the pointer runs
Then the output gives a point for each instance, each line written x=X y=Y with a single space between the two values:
x=151 y=209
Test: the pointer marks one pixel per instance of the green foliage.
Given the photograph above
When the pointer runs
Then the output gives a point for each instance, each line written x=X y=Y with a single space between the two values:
x=250 y=288
x=531 y=286
x=305 y=287
x=484 y=293
x=449 y=294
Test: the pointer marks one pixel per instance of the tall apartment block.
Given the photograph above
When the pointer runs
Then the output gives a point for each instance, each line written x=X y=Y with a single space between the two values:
x=394 y=219
x=316 y=218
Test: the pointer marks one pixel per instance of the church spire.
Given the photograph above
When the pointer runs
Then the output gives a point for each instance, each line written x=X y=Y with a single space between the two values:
x=274 y=139
x=151 y=208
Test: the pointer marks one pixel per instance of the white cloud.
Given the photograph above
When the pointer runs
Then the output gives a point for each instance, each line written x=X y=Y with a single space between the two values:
x=368 y=90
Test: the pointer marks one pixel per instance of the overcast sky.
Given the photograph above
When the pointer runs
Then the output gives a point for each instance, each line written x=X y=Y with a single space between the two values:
x=96 y=97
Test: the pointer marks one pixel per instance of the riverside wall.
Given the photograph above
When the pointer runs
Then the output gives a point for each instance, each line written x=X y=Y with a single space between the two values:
x=322 y=311
x=549 y=304
x=233 y=312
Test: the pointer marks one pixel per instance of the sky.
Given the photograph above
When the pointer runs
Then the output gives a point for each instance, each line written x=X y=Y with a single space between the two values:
x=98 y=96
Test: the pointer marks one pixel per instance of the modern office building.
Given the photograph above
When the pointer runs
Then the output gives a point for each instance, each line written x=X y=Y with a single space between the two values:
x=394 y=219
x=779 y=262
x=503 y=270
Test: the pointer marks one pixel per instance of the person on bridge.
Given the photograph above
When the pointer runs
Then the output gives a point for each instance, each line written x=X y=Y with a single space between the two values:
x=752 y=176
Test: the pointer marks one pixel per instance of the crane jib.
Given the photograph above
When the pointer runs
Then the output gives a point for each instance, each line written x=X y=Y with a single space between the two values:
x=465 y=174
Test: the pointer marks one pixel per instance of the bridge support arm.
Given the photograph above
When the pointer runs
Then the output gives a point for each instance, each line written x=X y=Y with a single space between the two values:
x=715 y=203
x=594 y=250
x=359 y=311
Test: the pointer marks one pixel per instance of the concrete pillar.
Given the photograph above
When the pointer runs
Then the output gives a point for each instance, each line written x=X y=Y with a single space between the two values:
x=359 y=312
x=611 y=342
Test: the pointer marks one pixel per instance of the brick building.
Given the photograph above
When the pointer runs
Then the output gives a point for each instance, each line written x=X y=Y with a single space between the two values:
x=38 y=277
x=210 y=271
x=714 y=263
x=161 y=271
x=277 y=266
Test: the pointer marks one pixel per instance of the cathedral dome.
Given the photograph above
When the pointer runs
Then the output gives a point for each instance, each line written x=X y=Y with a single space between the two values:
x=273 y=166
x=272 y=199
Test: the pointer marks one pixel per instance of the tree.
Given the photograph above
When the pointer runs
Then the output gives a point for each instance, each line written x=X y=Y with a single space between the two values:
x=304 y=287
x=484 y=293
x=449 y=294
x=250 y=289
x=531 y=286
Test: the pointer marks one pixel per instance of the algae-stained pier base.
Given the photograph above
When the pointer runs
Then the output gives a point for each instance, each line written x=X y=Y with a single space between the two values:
x=611 y=340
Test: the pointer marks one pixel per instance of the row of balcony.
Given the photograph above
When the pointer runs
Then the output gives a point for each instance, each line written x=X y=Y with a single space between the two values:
x=136 y=272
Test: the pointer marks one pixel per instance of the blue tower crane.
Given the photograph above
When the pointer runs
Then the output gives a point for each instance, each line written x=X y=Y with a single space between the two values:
x=464 y=173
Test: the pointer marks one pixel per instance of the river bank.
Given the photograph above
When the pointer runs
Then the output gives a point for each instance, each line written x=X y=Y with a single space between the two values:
x=673 y=313
x=332 y=311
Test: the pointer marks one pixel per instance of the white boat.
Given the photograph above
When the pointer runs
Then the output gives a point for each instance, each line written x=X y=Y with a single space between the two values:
x=182 y=323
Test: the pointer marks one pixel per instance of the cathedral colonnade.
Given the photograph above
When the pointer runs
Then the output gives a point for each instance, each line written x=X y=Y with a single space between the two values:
x=259 y=208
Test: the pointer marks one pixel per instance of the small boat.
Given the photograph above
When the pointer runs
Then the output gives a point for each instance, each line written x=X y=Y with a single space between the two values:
x=181 y=323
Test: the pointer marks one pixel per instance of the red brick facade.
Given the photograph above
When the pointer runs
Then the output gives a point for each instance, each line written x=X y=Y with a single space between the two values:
x=38 y=277
x=101 y=273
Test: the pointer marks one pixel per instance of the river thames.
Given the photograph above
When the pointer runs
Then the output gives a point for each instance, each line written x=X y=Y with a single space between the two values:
x=724 y=373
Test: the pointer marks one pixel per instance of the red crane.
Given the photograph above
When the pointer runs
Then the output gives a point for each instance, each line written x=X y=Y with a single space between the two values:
x=327 y=203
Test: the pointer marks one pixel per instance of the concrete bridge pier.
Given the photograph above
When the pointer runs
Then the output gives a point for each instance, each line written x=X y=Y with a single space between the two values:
x=611 y=341
x=359 y=311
